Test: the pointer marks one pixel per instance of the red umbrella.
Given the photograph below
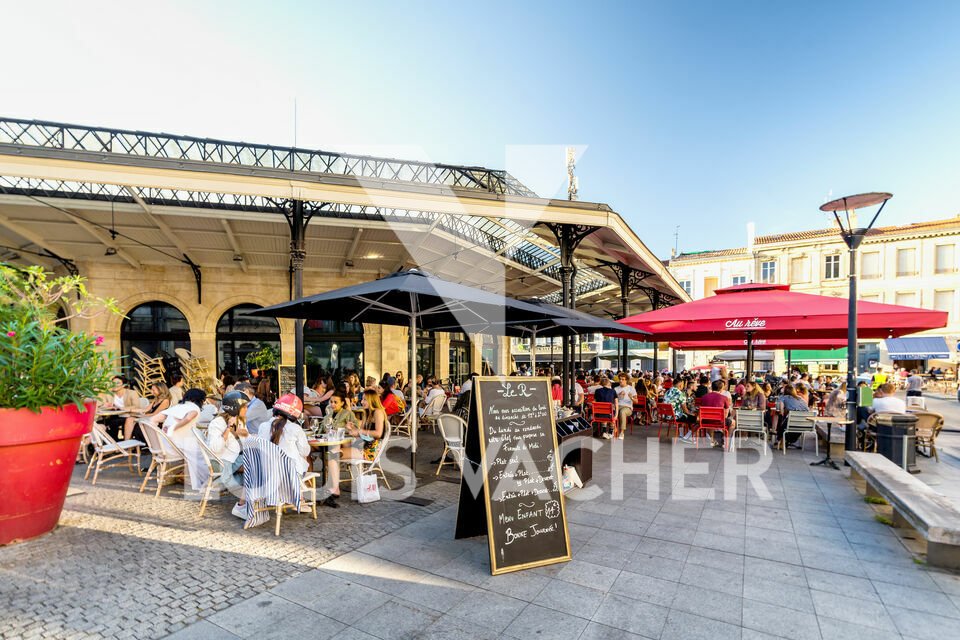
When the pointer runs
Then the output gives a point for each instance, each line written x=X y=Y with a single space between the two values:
x=771 y=311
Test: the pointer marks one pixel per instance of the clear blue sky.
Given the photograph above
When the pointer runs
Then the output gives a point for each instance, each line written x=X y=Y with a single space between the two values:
x=706 y=115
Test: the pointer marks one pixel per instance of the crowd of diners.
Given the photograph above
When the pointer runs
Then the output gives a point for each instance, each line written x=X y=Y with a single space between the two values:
x=364 y=408
x=635 y=394
x=245 y=406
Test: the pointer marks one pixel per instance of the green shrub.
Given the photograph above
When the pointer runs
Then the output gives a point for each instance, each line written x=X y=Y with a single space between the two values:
x=42 y=363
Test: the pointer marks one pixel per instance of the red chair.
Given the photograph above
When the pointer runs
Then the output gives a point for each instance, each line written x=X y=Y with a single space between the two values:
x=588 y=405
x=666 y=415
x=603 y=413
x=711 y=419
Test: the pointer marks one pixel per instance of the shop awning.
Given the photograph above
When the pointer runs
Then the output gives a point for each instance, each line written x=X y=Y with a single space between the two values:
x=818 y=355
x=917 y=348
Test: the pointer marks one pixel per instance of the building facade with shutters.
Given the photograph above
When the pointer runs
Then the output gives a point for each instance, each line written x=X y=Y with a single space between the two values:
x=913 y=265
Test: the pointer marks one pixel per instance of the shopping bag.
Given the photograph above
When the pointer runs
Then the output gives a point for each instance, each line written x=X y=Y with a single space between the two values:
x=367 y=488
x=571 y=478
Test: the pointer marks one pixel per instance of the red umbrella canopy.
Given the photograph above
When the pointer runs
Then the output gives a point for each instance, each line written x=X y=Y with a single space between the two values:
x=759 y=343
x=772 y=311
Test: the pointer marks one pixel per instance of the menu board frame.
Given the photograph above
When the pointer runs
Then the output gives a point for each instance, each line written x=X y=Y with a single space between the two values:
x=477 y=412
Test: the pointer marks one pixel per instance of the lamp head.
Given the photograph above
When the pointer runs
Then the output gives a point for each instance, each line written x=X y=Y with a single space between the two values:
x=844 y=211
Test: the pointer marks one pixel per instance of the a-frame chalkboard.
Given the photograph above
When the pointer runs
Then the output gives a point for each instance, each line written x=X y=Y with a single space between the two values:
x=511 y=443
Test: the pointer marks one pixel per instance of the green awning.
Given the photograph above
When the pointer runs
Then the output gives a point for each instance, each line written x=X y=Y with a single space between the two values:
x=818 y=355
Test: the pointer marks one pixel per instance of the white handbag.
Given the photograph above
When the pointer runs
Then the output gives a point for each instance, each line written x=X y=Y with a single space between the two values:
x=367 y=488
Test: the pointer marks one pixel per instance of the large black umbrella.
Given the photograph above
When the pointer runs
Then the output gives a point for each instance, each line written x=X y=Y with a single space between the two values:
x=556 y=321
x=415 y=299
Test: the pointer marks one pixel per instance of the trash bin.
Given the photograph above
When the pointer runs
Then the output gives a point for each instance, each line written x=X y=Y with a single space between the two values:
x=897 y=439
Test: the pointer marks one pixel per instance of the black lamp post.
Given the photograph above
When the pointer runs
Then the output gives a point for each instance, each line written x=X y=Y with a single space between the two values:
x=853 y=235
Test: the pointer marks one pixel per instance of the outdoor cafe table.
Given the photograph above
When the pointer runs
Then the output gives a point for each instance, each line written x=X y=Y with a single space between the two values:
x=829 y=421
x=326 y=446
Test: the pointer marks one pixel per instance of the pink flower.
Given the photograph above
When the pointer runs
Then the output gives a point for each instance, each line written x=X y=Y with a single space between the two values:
x=98 y=341
x=11 y=334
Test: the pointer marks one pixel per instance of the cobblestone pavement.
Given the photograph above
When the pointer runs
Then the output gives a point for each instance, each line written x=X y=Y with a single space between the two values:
x=122 y=564
x=809 y=561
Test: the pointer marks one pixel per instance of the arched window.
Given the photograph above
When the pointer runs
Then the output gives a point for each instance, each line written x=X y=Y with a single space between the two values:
x=239 y=335
x=158 y=329
x=332 y=346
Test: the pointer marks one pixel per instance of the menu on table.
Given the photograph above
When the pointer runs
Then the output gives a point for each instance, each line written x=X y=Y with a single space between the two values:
x=516 y=433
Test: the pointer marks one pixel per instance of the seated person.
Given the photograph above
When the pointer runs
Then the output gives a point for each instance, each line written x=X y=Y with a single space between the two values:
x=389 y=400
x=161 y=401
x=223 y=436
x=701 y=387
x=884 y=400
x=285 y=431
x=179 y=419
x=789 y=400
x=434 y=391
x=720 y=400
x=605 y=393
x=753 y=397
x=368 y=437
x=626 y=396
x=339 y=416
x=676 y=397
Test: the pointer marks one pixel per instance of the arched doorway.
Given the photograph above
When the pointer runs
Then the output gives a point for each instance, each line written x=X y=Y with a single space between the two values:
x=157 y=329
x=239 y=335
x=332 y=347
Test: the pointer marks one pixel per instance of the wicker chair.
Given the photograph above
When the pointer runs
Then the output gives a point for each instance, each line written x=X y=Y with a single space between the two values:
x=929 y=425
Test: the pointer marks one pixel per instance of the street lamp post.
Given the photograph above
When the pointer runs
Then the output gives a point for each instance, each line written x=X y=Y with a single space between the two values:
x=853 y=235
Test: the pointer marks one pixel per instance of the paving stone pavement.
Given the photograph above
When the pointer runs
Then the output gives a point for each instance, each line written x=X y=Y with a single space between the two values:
x=122 y=564
x=662 y=561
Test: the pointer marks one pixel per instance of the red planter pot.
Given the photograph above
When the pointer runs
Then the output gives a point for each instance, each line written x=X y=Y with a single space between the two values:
x=37 y=454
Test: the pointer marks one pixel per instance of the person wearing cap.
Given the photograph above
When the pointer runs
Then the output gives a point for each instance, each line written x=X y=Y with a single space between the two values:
x=257 y=411
x=223 y=438
x=285 y=431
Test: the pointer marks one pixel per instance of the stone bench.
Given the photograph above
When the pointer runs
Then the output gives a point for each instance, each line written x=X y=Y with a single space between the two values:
x=914 y=504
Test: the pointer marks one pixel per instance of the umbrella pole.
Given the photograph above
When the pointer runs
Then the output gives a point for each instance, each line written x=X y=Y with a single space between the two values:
x=533 y=353
x=413 y=399
x=749 y=370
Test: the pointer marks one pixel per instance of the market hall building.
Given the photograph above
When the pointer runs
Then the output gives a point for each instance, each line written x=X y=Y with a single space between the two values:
x=188 y=233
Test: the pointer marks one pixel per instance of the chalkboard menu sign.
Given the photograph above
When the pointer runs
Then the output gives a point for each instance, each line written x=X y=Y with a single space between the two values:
x=288 y=378
x=512 y=421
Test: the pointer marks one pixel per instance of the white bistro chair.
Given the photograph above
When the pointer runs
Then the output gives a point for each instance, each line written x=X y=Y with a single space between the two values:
x=358 y=466
x=750 y=421
x=107 y=453
x=801 y=422
x=452 y=428
x=166 y=458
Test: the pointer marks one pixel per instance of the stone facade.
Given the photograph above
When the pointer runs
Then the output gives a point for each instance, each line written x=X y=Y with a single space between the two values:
x=385 y=347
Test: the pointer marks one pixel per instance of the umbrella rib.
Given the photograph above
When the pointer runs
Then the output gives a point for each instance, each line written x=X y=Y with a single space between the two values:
x=378 y=305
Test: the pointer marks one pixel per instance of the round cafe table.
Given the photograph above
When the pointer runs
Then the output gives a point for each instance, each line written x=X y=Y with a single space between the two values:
x=829 y=421
x=326 y=446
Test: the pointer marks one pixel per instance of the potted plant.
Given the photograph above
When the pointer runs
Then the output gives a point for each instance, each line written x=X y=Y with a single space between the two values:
x=266 y=357
x=49 y=379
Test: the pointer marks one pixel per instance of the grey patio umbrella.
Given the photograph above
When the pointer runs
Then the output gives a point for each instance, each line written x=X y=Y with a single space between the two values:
x=415 y=299
x=556 y=321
